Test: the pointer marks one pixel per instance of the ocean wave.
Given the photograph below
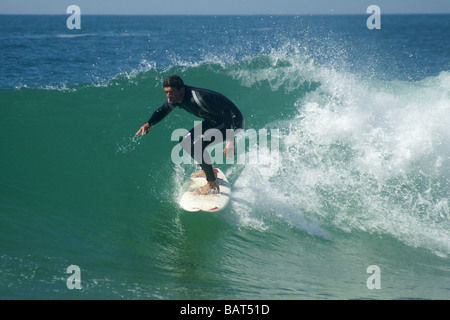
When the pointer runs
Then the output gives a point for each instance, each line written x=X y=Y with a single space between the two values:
x=371 y=156
x=355 y=153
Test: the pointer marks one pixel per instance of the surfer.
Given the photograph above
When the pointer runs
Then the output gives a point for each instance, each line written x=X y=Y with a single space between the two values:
x=218 y=113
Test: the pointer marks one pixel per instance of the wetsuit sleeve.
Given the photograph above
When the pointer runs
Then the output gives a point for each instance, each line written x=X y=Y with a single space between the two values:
x=160 y=114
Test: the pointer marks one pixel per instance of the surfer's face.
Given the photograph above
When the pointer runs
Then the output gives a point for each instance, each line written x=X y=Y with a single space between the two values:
x=174 y=95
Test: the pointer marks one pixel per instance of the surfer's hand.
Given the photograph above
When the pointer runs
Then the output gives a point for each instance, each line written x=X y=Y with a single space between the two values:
x=229 y=149
x=143 y=130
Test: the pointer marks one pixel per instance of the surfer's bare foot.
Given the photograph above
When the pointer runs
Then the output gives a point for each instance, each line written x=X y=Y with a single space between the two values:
x=199 y=174
x=211 y=187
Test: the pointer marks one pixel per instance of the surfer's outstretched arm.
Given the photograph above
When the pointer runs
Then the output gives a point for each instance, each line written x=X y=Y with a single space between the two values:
x=156 y=117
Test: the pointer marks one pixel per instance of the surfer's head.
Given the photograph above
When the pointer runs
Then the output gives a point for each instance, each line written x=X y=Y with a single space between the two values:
x=174 y=89
x=174 y=82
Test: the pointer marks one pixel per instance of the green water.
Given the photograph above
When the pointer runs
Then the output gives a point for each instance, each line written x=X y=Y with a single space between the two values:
x=362 y=179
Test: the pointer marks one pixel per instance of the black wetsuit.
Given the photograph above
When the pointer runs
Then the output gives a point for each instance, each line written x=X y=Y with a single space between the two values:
x=218 y=113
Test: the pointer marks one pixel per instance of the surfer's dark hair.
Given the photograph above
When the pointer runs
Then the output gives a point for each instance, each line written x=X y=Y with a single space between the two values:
x=174 y=82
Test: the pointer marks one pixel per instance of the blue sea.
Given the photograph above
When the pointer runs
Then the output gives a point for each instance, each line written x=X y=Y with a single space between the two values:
x=356 y=208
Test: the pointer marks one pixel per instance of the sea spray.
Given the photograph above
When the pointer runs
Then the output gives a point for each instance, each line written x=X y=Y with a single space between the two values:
x=363 y=156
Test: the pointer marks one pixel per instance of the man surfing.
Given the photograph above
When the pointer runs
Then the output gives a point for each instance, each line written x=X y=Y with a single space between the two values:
x=218 y=113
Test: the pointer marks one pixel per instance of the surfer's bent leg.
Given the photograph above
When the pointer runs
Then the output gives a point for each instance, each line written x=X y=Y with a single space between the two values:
x=195 y=142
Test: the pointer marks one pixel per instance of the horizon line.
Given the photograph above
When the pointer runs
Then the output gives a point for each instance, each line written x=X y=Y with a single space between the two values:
x=222 y=14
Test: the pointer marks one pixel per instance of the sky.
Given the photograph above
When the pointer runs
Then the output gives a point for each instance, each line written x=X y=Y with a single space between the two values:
x=223 y=7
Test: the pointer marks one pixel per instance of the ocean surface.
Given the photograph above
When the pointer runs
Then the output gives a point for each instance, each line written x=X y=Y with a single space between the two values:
x=351 y=203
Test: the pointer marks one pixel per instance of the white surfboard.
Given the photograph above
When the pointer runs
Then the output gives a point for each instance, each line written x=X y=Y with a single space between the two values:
x=209 y=203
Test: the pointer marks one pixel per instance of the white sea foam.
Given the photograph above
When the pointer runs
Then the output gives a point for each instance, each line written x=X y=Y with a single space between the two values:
x=361 y=154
